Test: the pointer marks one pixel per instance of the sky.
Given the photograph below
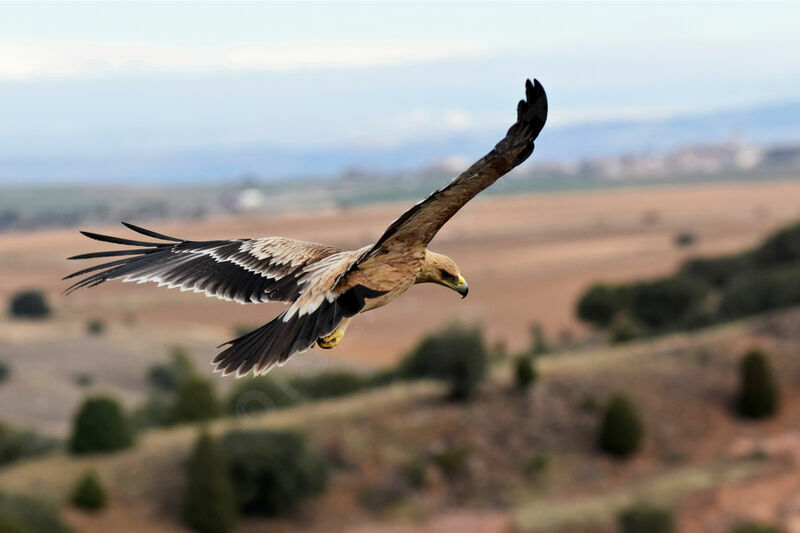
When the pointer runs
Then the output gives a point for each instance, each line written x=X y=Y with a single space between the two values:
x=146 y=79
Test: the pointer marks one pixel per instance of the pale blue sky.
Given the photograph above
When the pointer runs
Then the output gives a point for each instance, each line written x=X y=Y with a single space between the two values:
x=154 y=78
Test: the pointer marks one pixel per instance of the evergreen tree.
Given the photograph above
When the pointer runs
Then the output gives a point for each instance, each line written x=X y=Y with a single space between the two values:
x=89 y=493
x=100 y=426
x=621 y=430
x=758 y=390
x=209 y=504
x=524 y=372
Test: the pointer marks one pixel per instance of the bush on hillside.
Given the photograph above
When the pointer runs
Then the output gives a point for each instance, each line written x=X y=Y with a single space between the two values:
x=761 y=291
x=16 y=444
x=781 y=248
x=95 y=327
x=758 y=391
x=621 y=430
x=261 y=393
x=666 y=302
x=171 y=376
x=600 y=304
x=35 y=516
x=5 y=371
x=329 y=384
x=456 y=354
x=29 y=304
x=195 y=401
x=273 y=472
x=684 y=239
x=209 y=504
x=89 y=493
x=100 y=426
x=718 y=271
x=641 y=518
x=525 y=374
x=11 y=524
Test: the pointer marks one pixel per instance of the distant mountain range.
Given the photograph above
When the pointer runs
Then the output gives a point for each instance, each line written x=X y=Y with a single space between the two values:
x=762 y=125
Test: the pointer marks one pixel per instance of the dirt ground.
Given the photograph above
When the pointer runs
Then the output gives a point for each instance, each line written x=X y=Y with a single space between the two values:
x=526 y=258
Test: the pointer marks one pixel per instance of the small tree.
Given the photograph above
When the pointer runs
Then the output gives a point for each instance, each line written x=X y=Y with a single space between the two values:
x=642 y=518
x=11 y=524
x=196 y=401
x=100 y=426
x=456 y=354
x=758 y=390
x=89 y=493
x=599 y=304
x=621 y=430
x=5 y=371
x=209 y=504
x=29 y=304
x=272 y=472
x=524 y=372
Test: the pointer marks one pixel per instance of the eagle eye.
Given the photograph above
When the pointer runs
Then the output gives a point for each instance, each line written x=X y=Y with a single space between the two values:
x=448 y=277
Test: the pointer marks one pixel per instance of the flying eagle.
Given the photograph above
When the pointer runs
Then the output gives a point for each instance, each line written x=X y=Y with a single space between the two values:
x=324 y=287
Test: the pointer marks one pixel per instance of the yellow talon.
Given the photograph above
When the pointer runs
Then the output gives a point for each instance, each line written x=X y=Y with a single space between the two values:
x=331 y=340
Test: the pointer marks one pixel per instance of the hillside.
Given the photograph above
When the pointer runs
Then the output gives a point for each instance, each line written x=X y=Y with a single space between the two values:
x=698 y=457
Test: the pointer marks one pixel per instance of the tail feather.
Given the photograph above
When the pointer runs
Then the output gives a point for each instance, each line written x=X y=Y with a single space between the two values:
x=273 y=343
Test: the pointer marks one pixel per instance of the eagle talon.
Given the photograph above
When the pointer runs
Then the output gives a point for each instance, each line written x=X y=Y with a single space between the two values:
x=331 y=340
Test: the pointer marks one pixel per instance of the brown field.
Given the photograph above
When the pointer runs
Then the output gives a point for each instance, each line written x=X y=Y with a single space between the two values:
x=526 y=258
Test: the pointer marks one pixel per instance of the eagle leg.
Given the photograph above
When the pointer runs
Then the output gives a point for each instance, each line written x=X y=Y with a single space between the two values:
x=333 y=339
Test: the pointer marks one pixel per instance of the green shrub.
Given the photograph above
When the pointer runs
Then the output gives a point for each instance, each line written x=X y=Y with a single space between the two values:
x=453 y=461
x=16 y=444
x=684 y=239
x=758 y=391
x=95 y=327
x=82 y=379
x=600 y=303
x=171 y=376
x=750 y=527
x=273 y=472
x=524 y=372
x=196 y=401
x=642 y=518
x=5 y=371
x=34 y=515
x=456 y=354
x=621 y=430
x=781 y=248
x=535 y=466
x=100 y=426
x=718 y=271
x=329 y=384
x=761 y=291
x=29 y=304
x=89 y=493
x=11 y=524
x=624 y=329
x=260 y=393
x=538 y=341
x=666 y=302
x=209 y=504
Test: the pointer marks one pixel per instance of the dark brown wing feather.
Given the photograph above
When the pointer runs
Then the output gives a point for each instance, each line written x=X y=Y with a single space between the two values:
x=244 y=270
x=419 y=224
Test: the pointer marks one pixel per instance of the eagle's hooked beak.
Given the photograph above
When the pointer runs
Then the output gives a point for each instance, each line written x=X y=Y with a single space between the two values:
x=460 y=286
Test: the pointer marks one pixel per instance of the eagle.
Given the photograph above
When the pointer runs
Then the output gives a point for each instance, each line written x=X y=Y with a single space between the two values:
x=323 y=286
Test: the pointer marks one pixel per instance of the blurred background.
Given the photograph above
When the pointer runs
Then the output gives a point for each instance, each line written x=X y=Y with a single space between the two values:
x=627 y=359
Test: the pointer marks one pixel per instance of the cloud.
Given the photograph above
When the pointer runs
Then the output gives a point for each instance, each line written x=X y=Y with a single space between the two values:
x=27 y=60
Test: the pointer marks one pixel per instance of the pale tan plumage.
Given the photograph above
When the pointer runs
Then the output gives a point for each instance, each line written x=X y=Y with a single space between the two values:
x=323 y=286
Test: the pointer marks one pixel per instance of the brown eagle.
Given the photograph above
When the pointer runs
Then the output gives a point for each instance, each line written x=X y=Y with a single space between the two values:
x=323 y=286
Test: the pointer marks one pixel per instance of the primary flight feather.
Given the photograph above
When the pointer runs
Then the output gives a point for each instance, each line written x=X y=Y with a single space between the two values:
x=324 y=287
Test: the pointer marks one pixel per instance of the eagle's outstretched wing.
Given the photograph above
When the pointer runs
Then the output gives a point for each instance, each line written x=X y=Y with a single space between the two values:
x=245 y=270
x=303 y=274
x=419 y=224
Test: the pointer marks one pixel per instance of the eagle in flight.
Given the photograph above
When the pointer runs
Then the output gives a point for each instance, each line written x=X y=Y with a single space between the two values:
x=324 y=287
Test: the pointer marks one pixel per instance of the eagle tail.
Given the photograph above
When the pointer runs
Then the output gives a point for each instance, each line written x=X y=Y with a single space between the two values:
x=273 y=343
